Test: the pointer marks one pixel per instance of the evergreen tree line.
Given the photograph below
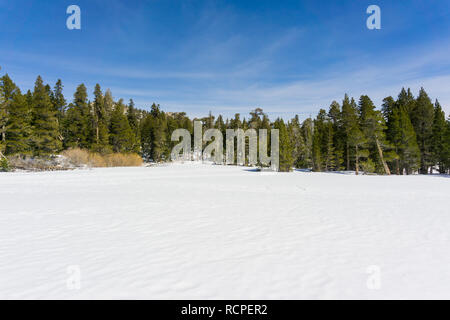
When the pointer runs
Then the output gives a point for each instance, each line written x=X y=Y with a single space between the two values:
x=408 y=135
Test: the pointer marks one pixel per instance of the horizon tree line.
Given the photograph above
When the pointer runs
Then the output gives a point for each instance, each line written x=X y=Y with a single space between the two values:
x=407 y=135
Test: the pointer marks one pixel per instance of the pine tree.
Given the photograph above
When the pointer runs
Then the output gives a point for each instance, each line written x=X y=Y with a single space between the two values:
x=329 y=151
x=7 y=90
x=407 y=102
x=265 y=125
x=318 y=145
x=121 y=136
x=409 y=152
x=373 y=126
x=354 y=137
x=146 y=137
x=285 y=152
x=324 y=152
x=159 y=134
x=447 y=146
x=296 y=140
x=308 y=137
x=59 y=103
x=358 y=140
x=401 y=135
x=134 y=125
x=438 y=139
x=255 y=118
x=335 y=116
x=236 y=123
x=108 y=102
x=422 y=119
x=45 y=137
x=18 y=128
x=101 y=142
x=209 y=121
x=391 y=114
x=349 y=117
x=219 y=124
x=78 y=122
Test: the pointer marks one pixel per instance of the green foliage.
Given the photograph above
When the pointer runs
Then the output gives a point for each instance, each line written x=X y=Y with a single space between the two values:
x=373 y=127
x=155 y=140
x=438 y=144
x=133 y=121
x=446 y=152
x=296 y=140
x=100 y=121
x=306 y=158
x=18 y=128
x=4 y=164
x=7 y=90
x=338 y=140
x=45 y=135
x=78 y=121
x=349 y=120
x=121 y=136
x=422 y=115
x=317 y=144
x=407 y=135
x=368 y=166
x=286 y=159
x=59 y=102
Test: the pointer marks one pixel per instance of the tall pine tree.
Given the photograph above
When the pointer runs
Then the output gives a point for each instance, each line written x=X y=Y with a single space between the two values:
x=45 y=130
x=438 y=139
x=422 y=116
x=101 y=141
x=121 y=136
x=18 y=128
x=401 y=136
x=7 y=90
x=285 y=152
x=373 y=126
x=79 y=121
x=133 y=120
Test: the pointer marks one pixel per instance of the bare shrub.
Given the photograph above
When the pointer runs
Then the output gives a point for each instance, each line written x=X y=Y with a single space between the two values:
x=96 y=160
x=20 y=162
x=79 y=157
x=76 y=156
x=123 y=160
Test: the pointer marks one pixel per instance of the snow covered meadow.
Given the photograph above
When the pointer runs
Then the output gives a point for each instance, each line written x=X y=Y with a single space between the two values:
x=193 y=231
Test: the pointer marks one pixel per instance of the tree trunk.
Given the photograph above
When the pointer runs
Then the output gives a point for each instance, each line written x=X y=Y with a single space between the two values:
x=380 y=152
x=397 y=166
x=348 y=156
x=356 y=161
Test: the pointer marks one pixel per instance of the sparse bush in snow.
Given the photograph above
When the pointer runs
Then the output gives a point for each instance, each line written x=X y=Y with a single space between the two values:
x=123 y=160
x=47 y=163
x=79 y=158
x=96 y=160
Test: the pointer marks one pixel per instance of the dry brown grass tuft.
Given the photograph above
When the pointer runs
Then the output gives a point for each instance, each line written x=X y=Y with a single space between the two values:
x=123 y=160
x=96 y=160
x=79 y=157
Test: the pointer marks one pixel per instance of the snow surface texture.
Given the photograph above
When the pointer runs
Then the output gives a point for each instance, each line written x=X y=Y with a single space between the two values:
x=197 y=231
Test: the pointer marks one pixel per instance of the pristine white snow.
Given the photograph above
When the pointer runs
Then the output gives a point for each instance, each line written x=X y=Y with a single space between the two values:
x=197 y=231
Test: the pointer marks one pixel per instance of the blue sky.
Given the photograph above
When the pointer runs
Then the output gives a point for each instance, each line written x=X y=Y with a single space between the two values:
x=288 y=57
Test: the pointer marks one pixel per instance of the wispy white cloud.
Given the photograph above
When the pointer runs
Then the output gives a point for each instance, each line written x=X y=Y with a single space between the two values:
x=306 y=96
x=248 y=83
